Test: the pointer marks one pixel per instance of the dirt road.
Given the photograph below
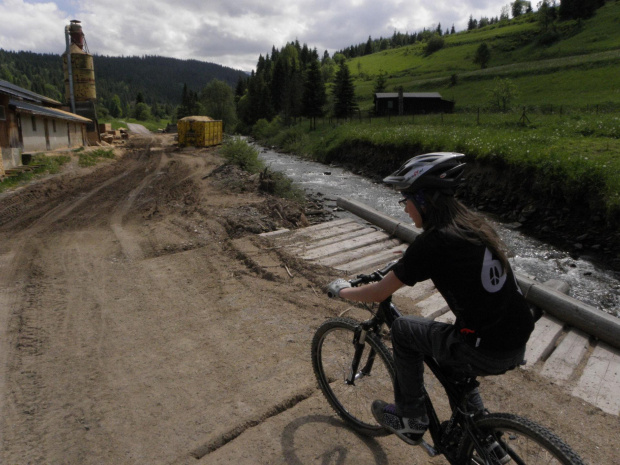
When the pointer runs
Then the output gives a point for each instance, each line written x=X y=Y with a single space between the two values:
x=143 y=321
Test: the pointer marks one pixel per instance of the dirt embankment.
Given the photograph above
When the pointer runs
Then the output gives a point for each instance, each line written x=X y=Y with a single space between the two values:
x=539 y=206
x=142 y=320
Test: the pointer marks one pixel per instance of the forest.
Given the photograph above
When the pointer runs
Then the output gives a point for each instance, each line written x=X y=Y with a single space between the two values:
x=294 y=81
x=159 y=81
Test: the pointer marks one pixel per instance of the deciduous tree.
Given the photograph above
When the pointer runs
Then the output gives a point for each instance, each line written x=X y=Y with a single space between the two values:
x=218 y=102
x=502 y=94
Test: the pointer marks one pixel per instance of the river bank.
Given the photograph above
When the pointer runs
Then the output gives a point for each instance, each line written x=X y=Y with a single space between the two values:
x=549 y=178
x=579 y=225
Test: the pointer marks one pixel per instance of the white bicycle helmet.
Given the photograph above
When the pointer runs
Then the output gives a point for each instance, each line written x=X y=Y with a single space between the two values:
x=440 y=170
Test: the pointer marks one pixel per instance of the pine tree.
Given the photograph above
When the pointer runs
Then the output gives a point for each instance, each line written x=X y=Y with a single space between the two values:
x=368 y=47
x=314 y=97
x=380 y=83
x=116 y=110
x=344 y=93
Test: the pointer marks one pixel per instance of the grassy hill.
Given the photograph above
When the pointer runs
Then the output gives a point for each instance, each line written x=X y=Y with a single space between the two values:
x=560 y=159
x=576 y=63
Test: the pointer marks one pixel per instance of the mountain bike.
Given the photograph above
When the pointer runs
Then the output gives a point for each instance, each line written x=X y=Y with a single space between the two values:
x=354 y=366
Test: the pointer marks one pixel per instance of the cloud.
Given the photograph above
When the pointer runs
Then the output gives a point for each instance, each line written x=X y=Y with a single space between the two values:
x=34 y=27
x=228 y=32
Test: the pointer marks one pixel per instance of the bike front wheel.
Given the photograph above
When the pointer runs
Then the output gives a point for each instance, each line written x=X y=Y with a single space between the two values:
x=333 y=348
x=522 y=442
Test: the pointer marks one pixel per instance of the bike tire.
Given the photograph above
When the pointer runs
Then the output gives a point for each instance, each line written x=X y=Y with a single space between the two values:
x=332 y=352
x=524 y=440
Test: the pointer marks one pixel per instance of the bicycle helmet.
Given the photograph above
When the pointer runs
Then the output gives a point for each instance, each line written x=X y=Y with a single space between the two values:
x=441 y=171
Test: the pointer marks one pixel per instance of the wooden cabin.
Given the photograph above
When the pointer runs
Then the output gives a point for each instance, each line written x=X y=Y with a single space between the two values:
x=411 y=103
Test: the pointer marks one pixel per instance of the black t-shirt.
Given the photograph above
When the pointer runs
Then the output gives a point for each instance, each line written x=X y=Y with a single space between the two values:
x=490 y=308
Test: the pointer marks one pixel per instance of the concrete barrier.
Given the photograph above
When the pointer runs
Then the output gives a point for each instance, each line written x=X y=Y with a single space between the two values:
x=571 y=311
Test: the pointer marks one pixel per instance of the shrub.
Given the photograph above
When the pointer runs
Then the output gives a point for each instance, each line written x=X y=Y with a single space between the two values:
x=276 y=183
x=238 y=152
x=548 y=37
x=91 y=158
x=264 y=130
x=435 y=43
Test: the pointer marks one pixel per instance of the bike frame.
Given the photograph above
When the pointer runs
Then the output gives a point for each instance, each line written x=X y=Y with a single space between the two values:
x=456 y=392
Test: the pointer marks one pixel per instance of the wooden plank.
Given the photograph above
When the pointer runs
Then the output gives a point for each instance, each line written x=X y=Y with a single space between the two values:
x=321 y=226
x=418 y=292
x=335 y=230
x=277 y=232
x=338 y=247
x=542 y=341
x=566 y=356
x=600 y=382
x=309 y=244
x=352 y=255
x=588 y=319
x=432 y=307
x=373 y=261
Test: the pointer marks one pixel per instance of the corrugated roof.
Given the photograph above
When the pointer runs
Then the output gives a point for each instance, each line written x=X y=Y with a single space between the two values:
x=45 y=111
x=409 y=95
x=16 y=91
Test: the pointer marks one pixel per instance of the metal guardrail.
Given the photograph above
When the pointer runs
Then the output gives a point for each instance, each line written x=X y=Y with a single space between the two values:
x=573 y=312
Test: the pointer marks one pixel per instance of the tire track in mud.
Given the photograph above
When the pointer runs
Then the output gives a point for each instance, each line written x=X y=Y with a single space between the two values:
x=32 y=303
x=130 y=246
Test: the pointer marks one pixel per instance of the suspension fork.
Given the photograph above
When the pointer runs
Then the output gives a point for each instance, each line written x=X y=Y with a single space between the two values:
x=386 y=315
x=359 y=342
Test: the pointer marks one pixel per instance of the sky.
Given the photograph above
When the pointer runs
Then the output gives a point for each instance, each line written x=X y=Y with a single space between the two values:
x=231 y=33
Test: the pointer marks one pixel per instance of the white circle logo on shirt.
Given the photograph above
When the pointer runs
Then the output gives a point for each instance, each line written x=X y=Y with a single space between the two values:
x=493 y=276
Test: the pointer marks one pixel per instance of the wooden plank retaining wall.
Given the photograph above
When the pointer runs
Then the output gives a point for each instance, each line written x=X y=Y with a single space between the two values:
x=569 y=356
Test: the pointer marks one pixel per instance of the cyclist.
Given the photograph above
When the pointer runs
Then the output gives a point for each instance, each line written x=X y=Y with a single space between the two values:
x=464 y=257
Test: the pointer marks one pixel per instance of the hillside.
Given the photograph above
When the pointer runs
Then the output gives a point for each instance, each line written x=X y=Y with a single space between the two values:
x=158 y=79
x=573 y=63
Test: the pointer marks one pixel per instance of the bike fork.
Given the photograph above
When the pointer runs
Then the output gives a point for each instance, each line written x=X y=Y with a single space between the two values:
x=359 y=341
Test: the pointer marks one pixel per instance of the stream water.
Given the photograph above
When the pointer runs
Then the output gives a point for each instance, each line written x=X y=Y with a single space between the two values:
x=590 y=284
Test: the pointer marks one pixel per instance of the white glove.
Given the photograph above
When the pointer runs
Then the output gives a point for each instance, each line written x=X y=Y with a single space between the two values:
x=334 y=288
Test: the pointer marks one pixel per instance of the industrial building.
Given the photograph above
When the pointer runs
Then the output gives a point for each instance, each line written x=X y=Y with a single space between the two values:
x=30 y=123
x=79 y=72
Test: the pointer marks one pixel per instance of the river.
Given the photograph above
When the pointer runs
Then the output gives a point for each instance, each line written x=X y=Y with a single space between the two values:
x=589 y=283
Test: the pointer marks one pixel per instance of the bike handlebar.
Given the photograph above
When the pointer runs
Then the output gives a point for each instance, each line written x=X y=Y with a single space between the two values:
x=372 y=277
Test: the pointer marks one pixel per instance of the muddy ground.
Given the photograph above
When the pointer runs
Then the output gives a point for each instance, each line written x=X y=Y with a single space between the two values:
x=144 y=321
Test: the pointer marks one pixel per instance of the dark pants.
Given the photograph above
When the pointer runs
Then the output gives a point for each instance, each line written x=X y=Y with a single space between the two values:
x=415 y=337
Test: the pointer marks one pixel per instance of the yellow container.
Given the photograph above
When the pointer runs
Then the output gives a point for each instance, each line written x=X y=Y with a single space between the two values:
x=199 y=131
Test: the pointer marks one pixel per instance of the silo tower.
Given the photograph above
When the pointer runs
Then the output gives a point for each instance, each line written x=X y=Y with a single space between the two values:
x=79 y=73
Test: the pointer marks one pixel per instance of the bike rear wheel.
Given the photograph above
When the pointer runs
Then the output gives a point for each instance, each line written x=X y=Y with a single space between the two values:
x=524 y=441
x=332 y=353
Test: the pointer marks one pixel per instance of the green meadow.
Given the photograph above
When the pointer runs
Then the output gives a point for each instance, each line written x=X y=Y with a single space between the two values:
x=579 y=69
x=563 y=124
